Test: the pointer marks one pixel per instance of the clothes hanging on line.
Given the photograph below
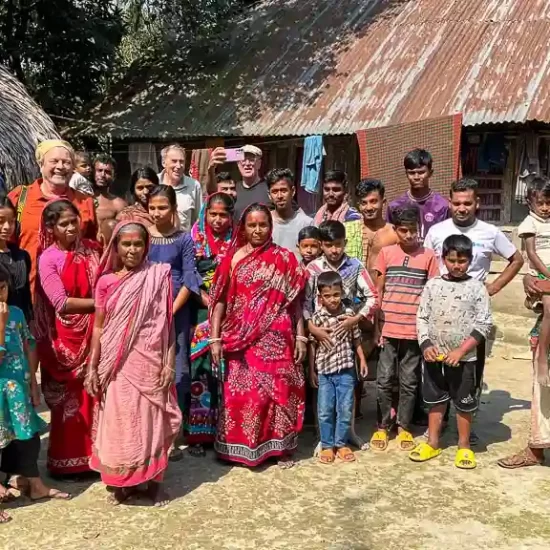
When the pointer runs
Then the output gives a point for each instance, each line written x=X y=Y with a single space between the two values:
x=311 y=166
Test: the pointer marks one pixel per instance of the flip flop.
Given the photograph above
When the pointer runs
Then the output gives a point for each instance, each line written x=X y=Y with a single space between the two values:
x=53 y=494
x=345 y=454
x=423 y=452
x=379 y=436
x=465 y=459
x=4 y=517
x=326 y=456
x=519 y=460
x=403 y=438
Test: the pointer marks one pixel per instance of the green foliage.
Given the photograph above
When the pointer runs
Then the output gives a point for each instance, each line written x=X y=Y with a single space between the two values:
x=62 y=50
x=69 y=53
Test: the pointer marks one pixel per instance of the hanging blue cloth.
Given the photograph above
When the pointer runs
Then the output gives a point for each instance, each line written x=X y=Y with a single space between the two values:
x=311 y=165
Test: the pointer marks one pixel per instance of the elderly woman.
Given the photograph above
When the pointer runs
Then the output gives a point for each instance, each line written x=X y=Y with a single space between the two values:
x=56 y=159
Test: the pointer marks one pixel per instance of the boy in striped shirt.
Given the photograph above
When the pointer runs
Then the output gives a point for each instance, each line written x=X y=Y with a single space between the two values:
x=403 y=269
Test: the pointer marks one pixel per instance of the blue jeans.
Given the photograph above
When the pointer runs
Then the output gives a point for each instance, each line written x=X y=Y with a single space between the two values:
x=335 y=407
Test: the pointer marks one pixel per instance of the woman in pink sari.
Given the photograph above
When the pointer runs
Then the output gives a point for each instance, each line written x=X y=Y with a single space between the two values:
x=257 y=334
x=132 y=367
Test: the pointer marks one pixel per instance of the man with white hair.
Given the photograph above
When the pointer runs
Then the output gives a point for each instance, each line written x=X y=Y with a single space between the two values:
x=252 y=188
x=188 y=191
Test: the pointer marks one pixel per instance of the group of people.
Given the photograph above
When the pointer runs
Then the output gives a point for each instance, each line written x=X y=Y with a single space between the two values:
x=174 y=314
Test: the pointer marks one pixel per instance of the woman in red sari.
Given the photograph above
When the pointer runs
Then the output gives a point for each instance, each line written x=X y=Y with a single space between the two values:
x=257 y=338
x=64 y=321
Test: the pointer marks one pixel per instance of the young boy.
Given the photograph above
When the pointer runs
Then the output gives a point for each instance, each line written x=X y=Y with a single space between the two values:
x=454 y=317
x=433 y=207
x=358 y=290
x=309 y=244
x=333 y=371
x=226 y=184
x=403 y=271
x=535 y=232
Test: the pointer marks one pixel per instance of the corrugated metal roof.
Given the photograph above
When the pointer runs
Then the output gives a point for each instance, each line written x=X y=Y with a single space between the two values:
x=302 y=67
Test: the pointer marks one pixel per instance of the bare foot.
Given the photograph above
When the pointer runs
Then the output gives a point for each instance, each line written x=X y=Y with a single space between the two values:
x=542 y=371
x=119 y=495
x=157 y=494
x=285 y=463
x=4 y=517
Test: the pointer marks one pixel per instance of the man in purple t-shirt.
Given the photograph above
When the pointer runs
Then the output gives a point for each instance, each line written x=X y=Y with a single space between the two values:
x=434 y=208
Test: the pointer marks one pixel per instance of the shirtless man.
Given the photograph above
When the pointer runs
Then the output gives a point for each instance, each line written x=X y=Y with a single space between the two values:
x=367 y=236
x=107 y=205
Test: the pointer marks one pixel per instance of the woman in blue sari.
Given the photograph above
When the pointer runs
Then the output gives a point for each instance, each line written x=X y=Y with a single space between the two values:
x=170 y=245
x=212 y=236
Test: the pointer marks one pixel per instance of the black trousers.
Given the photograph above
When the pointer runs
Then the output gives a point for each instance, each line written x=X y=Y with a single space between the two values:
x=21 y=457
x=398 y=359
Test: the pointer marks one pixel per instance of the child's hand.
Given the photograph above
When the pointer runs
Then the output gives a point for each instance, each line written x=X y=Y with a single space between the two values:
x=300 y=351
x=4 y=314
x=431 y=354
x=313 y=379
x=453 y=357
x=363 y=369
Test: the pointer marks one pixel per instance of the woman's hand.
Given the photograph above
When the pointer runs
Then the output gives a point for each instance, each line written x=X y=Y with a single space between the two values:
x=35 y=394
x=167 y=377
x=300 y=351
x=346 y=324
x=216 y=353
x=91 y=382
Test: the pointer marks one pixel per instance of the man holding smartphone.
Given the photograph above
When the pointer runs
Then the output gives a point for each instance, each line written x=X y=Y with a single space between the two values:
x=251 y=188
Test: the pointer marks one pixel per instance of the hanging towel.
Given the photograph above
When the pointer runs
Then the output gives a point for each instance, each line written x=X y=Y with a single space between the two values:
x=311 y=165
x=141 y=155
x=529 y=166
x=199 y=167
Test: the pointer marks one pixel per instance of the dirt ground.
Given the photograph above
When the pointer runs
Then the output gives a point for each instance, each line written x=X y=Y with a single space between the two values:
x=381 y=501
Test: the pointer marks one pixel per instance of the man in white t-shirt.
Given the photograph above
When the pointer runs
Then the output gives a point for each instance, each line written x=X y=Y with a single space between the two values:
x=487 y=240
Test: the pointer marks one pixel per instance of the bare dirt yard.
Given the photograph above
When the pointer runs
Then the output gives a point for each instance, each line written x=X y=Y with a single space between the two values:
x=382 y=501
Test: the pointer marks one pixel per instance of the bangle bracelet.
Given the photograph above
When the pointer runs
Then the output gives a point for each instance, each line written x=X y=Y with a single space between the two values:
x=302 y=339
x=214 y=340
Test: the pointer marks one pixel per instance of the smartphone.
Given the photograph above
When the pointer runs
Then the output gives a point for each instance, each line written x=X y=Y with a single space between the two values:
x=234 y=155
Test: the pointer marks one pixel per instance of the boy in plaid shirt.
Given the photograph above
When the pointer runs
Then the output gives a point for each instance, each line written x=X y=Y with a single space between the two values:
x=333 y=371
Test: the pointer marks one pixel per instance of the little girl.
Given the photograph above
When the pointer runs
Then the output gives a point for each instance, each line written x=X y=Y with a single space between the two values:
x=20 y=425
x=15 y=260
x=172 y=246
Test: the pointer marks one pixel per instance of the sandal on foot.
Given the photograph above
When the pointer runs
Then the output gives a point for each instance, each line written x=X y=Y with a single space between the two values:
x=175 y=454
x=345 y=454
x=53 y=494
x=196 y=450
x=326 y=456
x=465 y=459
x=519 y=460
x=405 y=441
x=379 y=436
x=423 y=452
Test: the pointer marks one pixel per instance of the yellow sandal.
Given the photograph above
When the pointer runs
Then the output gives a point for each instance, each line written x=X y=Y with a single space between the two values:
x=423 y=452
x=379 y=436
x=403 y=439
x=465 y=459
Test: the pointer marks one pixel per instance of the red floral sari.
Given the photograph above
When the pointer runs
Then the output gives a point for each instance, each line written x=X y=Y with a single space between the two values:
x=263 y=391
x=63 y=343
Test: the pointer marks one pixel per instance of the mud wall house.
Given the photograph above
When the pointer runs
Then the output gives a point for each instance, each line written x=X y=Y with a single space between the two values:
x=334 y=67
x=22 y=125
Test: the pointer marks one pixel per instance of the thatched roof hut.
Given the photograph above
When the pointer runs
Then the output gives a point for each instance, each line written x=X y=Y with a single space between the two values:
x=22 y=125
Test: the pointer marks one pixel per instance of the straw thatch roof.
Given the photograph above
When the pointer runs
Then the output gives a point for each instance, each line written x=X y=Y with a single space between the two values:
x=22 y=125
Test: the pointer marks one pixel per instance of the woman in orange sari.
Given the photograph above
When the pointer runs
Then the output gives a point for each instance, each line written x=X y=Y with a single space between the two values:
x=257 y=337
x=63 y=322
